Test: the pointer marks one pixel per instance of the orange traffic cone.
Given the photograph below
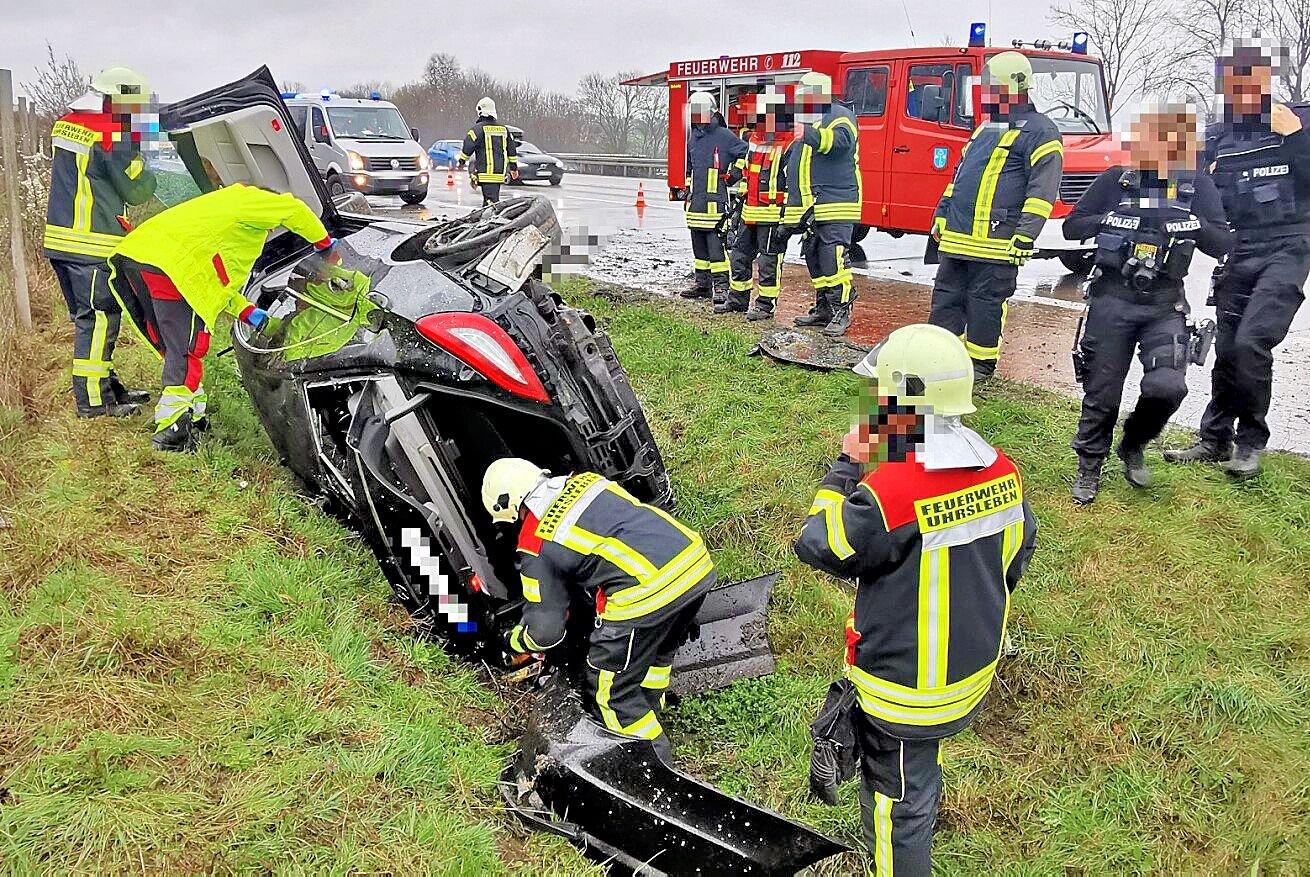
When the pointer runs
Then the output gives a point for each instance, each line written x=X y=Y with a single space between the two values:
x=641 y=196
x=450 y=178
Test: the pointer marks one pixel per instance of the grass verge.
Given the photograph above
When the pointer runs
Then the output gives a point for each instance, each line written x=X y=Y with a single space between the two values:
x=200 y=671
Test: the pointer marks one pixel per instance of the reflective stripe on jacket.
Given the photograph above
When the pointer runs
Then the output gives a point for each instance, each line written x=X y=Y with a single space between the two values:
x=489 y=150
x=637 y=562
x=823 y=170
x=95 y=172
x=935 y=554
x=1005 y=185
x=762 y=175
x=712 y=150
x=208 y=245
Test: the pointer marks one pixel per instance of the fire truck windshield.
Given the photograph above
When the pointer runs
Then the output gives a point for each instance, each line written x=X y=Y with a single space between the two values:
x=1070 y=92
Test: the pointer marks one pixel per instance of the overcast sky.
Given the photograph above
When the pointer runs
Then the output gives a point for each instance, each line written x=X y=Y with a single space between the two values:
x=187 y=46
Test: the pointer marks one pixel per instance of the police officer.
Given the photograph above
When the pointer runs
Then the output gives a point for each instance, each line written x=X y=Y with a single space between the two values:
x=823 y=199
x=493 y=152
x=993 y=210
x=712 y=154
x=1147 y=219
x=1259 y=157
x=176 y=272
x=937 y=536
x=760 y=240
x=96 y=171
x=584 y=536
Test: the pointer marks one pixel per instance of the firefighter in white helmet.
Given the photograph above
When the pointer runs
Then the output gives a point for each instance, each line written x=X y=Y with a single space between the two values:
x=490 y=152
x=931 y=522
x=713 y=153
x=583 y=536
x=97 y=170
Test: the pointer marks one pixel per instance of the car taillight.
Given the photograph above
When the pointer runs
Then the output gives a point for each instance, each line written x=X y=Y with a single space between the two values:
x=486 y=347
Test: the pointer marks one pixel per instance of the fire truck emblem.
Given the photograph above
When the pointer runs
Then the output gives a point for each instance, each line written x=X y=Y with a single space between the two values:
x=940 y=155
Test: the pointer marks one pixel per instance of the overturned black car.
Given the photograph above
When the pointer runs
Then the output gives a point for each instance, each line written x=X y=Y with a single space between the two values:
x=388 y=382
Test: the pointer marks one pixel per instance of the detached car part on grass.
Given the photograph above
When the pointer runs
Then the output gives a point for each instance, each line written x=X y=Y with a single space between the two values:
x=389 y=382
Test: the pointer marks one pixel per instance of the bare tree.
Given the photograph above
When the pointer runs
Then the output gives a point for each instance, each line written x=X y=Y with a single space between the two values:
x=57 y=84
x=1198 y=31
x=612 y=109
x=1125 y=33
x=368 y=88
x=1288 y=22
x=652 y=119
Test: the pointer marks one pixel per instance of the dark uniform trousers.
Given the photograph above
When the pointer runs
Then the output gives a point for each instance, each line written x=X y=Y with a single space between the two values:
x=96 y=318
x=763 y=244
x=176 y=332
x=1255 y=303
x=826 y=252
x=490 y=193
x=970 y=299
x=1116 y=327
x=628 y=674
x=711 y=261
x=900 y=788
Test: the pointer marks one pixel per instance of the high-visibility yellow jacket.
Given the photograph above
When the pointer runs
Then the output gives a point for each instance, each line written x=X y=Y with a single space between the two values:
x=823 y=170
x=490 y=150
x=936 y=554
x=639 y=564
x=208 y=245
x=95 y=172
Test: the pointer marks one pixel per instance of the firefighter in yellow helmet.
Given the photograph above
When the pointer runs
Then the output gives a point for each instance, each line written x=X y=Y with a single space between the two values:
x=96 y=171
x=931 y=522
x=992 y=211
x=647 y=574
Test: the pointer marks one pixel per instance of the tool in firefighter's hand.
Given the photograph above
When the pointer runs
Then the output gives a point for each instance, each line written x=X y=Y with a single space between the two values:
x=835 y=757
x=729 y=225
x=1216 y=279
x=1200 y=340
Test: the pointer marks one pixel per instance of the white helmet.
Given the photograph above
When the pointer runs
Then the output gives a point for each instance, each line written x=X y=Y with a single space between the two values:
x=486 y=107
x=122 y=85
x=507 y=484
x=702 y=103
x=925 y=367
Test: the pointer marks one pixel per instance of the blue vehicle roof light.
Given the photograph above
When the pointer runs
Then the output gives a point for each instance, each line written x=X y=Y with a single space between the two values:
x=977 y=34
x=1080 y=43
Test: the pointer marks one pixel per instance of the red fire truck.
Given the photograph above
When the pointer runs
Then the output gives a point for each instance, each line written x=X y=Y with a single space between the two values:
x=915 y=112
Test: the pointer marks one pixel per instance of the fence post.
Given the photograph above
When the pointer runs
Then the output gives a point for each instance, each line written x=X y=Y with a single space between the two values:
x=22 y=303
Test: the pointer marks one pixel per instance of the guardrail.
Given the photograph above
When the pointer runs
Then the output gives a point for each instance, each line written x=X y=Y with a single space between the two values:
x=613 y=165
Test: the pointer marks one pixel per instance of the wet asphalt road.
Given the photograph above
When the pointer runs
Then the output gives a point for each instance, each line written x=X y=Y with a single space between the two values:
x=650 y=249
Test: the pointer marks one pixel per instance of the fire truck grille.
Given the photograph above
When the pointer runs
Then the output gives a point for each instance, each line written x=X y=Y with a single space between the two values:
x=1072 y=186
x=384 y=164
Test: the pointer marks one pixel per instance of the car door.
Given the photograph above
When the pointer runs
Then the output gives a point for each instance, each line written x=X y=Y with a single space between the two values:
x=865 y=90
x=931 y=126
x=242 y=132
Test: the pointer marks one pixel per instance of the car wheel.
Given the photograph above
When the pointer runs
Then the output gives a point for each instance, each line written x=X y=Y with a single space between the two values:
x=555 y=181
x=414 y=197
x=1078 y=261
x=335 y=186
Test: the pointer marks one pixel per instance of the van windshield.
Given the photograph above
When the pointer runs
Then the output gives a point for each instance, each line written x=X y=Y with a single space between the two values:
x=1070 y=92
x=368 y=123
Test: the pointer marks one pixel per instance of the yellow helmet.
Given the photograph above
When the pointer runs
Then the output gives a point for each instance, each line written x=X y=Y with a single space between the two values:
x=507 y=483
x=1009 y=70
x=122 y=85
x=923 y=366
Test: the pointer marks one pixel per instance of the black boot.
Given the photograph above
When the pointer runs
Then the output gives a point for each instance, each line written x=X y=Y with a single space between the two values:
x=109 y=409
x=695 y=291
x=1137 y=473
x=1245 y=463
x=180 y=436
x=1201 y=452
x=841 y=320
x=1088 y=481
x=762 y=310
x=984 y=370
x=123 y=395
x=721 y=290
x=735 y=303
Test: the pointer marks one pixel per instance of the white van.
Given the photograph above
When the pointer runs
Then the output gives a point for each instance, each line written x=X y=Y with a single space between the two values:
x=361 y=144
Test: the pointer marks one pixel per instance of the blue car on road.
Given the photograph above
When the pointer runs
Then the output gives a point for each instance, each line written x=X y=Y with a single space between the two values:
x=444 y=152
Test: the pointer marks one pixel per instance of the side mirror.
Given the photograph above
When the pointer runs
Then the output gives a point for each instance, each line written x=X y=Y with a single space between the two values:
x=932 y=105
x=413 y=132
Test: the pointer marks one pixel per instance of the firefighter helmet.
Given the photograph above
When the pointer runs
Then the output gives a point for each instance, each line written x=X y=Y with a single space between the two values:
x=122 y=85
x=507 y=484
x=702 y=103
x=1009 y=70
x=486 y=107
x=923 y=366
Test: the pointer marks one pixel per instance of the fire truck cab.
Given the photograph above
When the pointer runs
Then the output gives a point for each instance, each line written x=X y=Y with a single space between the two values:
x=915 y=110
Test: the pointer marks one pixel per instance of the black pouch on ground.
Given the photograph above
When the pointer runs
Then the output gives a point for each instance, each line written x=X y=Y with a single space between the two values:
x=835 y=758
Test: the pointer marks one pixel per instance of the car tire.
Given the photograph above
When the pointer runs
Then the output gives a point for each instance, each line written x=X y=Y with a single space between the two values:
x=414 y=197
x=335 y=186
x=1078 y=261
x=555 y=181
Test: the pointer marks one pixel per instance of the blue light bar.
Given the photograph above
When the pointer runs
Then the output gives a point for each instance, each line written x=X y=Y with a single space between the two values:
x=288 y=95
x=1079 y=43
x=375 y=96
x=977 y=34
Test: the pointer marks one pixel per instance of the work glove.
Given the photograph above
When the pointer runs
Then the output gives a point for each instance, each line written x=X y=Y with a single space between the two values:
x=938 y=228
x=514 y=174
x=329 y=252
x=460 y=166
x=1021 y=250
x=257 y=317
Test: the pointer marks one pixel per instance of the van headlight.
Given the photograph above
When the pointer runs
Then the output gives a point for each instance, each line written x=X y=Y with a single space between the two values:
x=356 y=161
x=424 y=162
